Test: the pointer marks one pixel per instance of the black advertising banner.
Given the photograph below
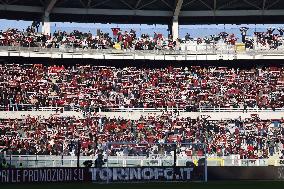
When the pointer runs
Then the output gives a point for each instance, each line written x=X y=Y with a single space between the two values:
x=246 y=173
x=145 y=174
x=34 y=175
x=99 y=175
x=136 y=174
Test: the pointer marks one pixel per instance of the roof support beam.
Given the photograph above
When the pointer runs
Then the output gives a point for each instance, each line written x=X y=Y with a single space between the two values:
x=178 y=7
x=228 y=4
x=11 y=2
x=137 y=4
x=50 y=6
x=175 y=25
x=83 y=4
x=208 y=6
x=215 y=6
x=252 y=4
x=127 y=4
x=263 y=4
x=46 y=20
x=272 y=4
x=188 y=3
x=89 y=3
x=166 y=3
x=100 y=3
x=145 y=5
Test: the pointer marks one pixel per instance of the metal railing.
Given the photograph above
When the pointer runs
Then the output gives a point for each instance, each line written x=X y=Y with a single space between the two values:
x=30 y=161
x=31 y=107
x=184 y=49
x=251 y=110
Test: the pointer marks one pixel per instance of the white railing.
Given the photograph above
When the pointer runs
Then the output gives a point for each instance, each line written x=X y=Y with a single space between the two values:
x=256 y=109
x=30 y=107
x=132 y=161
x=190 y=48
x=200 y=109
x=184 y=48
x=187 y=52
x=73 y=108
x=170 y=109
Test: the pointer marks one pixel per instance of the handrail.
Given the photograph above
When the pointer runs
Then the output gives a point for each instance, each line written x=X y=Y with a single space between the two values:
x=30 y=107
x=187 y=52
x=55 y=161
x=186 y=49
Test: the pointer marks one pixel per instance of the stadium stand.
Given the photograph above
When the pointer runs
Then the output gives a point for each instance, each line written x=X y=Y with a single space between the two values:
x=105 y=88
x=129 y=40
x=247 y=139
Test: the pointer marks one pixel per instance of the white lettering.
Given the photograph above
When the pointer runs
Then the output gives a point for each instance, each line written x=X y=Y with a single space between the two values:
x=36 y=175
x=188 y=173
x=158 y=172
x=18 y=175
x=31 y=175
x=168 y=173
x=147 y=173
x=48 y=175
x=135 y=173
x=42 y=175
x=26 y=172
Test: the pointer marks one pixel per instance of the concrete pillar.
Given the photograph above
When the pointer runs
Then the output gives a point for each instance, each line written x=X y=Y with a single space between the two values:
x=175 y=28
x=46 y=25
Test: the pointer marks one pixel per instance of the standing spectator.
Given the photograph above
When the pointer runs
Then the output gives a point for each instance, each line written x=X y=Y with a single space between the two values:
x=244 y=33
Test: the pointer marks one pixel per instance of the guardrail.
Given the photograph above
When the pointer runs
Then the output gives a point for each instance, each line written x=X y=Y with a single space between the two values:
x=186 y=52
x=184 y=49
x=190 y=48
x=31 y=107
x=196 y=52
x=256 y=109
x=30 y=161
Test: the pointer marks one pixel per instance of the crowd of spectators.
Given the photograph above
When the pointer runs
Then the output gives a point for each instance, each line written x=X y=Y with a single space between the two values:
x=248 y=139
x=129 y=40
x=59 y=39
x=83 y=40
x=269 y=39
x=103 y=87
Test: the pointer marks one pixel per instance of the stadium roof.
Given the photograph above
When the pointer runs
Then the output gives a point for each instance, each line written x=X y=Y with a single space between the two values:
x=146 y=11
